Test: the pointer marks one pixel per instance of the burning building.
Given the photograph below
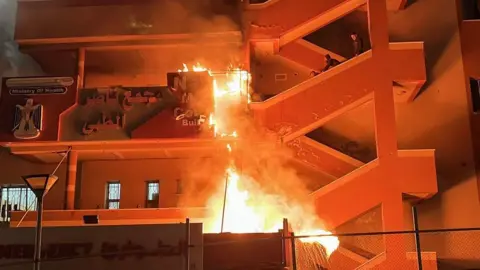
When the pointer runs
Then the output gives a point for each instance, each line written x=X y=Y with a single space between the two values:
x=155 y=111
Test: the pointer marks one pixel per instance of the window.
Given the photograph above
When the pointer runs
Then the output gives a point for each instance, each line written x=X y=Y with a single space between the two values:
x=15 y=198
x=113 y=195
x=153 y=194
x=475 y=94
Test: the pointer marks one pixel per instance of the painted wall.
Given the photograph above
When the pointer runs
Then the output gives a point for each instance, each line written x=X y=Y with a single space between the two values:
x=273 y=74
x=149 y=66
x=199 y=178
x=132 y=176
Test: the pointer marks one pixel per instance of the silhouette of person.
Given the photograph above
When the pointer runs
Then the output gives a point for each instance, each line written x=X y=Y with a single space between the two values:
x=357 y=44
x=330 y=62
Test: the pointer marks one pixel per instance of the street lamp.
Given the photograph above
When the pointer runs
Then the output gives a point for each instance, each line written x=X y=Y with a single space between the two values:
x=40 y=184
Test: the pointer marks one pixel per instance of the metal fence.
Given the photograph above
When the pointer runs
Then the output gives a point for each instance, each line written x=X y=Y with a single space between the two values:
x=448 y=249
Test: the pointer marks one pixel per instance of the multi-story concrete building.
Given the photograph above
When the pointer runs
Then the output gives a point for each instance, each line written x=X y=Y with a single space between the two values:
x=372 y=135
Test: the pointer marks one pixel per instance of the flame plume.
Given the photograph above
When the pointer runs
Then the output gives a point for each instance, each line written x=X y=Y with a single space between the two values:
x=248 y=207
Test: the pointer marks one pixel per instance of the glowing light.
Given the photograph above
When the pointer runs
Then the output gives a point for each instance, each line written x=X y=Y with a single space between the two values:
x=330 y=243
x=195 y=68
x=230 y=88
x=248 y=209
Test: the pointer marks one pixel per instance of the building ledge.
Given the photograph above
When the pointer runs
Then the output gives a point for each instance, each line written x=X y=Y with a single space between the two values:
x=62 y=218
x=117 y=42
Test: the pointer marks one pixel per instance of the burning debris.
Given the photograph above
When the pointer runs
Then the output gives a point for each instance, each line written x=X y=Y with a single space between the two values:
x=253 y=195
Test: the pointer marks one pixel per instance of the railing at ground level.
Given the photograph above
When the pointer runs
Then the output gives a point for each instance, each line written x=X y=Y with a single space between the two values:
x=457 y=248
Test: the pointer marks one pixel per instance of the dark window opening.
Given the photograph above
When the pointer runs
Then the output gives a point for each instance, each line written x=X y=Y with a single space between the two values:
x=153 y=194
x=475 y=94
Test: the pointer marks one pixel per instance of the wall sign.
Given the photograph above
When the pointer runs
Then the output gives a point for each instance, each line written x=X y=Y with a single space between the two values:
x=179 y=109
x=190 y=88
x=116 y=122
x=119 y=247
x=114 y=103
x=32 y=108
x=28 y=120
x=39 y=86
x=125 y=97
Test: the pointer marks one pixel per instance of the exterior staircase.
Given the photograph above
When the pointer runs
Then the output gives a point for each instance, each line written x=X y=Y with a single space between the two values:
x=356 y=187
x=307 y=106
x=264 y=22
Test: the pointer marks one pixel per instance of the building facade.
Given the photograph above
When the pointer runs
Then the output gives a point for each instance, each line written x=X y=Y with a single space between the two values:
x=371 y=136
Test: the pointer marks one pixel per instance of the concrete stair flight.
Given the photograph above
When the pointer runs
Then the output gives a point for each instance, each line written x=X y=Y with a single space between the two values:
x=418 y=179
x=312 y=103
x=307 y=54
x=264 y=22
x=322 y=157
x=405 y=87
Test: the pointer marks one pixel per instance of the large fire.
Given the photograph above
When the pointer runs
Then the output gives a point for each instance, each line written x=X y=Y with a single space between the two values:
x=246 y=208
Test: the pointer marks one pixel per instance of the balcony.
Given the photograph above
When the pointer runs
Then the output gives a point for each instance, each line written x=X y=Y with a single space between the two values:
x=73 y=21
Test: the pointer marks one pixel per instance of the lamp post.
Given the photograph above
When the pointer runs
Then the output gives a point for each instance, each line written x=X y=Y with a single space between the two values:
x=40 y=184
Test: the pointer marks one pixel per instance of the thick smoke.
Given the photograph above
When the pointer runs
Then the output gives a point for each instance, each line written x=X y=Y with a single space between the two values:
x=276 y=190
x=13 y=63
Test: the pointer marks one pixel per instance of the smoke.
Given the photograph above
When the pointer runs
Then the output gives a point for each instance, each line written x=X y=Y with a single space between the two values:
x=13 y=63
x=206 y=16
x=275 y=189
x=197 y=16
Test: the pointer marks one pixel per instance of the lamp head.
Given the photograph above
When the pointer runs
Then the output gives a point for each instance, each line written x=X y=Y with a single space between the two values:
x=40 y=184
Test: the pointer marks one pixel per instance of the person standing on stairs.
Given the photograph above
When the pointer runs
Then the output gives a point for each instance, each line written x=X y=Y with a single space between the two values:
x=329 y=63
x=357 y=44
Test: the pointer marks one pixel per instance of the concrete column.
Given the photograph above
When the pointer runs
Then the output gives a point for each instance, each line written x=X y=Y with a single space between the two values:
x=386 y=135
x=385 y=126
x=81 y=68
x=72 y=161
x=246 y=55
x=395 y=244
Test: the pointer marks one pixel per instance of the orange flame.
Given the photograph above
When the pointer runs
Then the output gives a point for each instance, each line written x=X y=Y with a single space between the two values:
x=230 y=88
x=247 y=207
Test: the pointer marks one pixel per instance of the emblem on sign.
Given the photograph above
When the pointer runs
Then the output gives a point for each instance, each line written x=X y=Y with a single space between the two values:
x=28 y=120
